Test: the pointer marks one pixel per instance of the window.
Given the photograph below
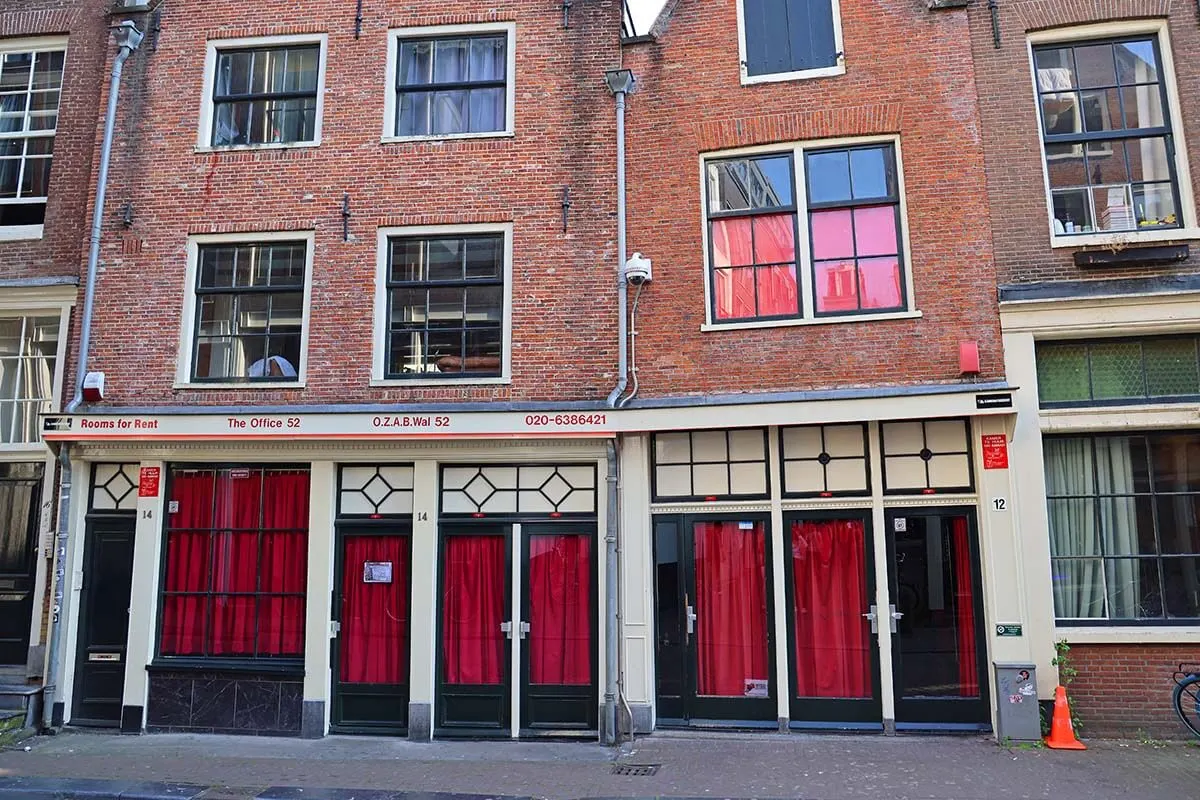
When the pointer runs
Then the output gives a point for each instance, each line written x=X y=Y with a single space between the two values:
x=786 y=40
x=1124 y=541
x=1113 y=372
x=926 y=457
x=249 y=312
x=851 y=203
x=236 y=563
x=1107 y=136
x=30 y=83
x=28 y=356
x=825 y=460
x=264 y=92
x=445 y=306
x=709 y=465
x=451 y=81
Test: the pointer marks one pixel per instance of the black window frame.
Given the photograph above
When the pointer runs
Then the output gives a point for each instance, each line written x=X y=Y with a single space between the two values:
x=399 y=90
x=199 y=292
x=390 y=287
x=691 y=463
x=217 y=100
x=1091 y=401
x=1159 y=556
x=23 y=210
x=1119 y=136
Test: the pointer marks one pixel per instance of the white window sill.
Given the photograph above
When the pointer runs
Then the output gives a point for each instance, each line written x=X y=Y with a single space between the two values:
x=401 y=382
x=1129 y=238
x=20 y=233
x=799 y=75
x=1150 y=634
x=252 y=148
x=241 y=385
x=25 y=449
x=447 y=137
x=788 y=323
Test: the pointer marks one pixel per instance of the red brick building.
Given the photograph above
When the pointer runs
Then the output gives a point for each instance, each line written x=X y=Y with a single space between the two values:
x=1090 y=133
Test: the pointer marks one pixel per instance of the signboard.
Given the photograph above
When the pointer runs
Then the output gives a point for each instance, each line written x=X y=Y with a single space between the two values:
x=148 y=482
x=377 y=572
x=1008 y=629
x=999 y=400
x=995 y=450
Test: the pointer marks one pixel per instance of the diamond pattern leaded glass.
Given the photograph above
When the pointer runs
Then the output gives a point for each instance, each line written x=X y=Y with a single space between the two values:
x=1117 y=370
x=376 y=490
x=525 y=489
x=113 y=487
x=1133 y=370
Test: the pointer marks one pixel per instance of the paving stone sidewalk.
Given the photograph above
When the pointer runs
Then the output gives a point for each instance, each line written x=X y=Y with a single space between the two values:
x=808 y=767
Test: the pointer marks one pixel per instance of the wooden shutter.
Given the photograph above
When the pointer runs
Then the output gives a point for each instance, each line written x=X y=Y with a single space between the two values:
x=788 y=35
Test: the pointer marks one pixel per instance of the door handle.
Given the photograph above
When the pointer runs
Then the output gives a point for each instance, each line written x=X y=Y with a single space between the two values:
x=507 y=628
x=874 y=618
x=523 y=629
x=894 y=614
x=691 y=620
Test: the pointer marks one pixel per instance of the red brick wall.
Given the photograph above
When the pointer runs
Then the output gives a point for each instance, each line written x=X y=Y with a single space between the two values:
x=1010 y=126
x=908 y=72
x=61 y=249
x=1125 y=690
x=564 y=344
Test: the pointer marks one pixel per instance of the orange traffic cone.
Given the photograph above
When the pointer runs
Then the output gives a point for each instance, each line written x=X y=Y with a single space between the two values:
x=1062 y=732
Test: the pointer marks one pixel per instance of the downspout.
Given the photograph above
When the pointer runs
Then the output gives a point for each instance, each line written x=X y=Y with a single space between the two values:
x=620 y=83
x=128 y=39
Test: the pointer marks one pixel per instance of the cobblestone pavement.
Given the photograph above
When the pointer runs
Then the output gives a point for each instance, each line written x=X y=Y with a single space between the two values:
x=811 y=767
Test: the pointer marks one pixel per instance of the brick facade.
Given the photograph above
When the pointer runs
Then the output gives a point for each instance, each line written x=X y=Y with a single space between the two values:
x=690 y=102
x=1125 y=689
x=563 y=298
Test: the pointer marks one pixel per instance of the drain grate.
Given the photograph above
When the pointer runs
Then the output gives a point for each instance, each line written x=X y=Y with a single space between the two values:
x=635 y=769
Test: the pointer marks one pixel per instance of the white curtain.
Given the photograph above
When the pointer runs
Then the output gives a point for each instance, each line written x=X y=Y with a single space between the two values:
x=1074 y=546
x=1118 y=525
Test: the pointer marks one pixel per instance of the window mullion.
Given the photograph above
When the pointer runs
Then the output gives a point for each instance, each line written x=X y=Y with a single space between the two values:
x=805 y=278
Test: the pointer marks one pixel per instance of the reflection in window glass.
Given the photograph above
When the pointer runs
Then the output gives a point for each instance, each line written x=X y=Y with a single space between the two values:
x=265 y=96
x=28 y=356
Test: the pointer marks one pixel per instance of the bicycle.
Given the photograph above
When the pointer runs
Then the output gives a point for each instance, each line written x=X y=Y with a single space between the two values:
x=1186 y=697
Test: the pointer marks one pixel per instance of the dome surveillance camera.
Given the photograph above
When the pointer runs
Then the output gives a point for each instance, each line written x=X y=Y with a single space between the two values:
x=637 y=270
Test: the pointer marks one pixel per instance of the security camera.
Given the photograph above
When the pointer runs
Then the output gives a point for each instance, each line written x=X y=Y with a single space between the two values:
x=637 y=270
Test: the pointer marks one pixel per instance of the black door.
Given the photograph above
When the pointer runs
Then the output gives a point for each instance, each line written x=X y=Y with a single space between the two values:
x=715 y=649
x=475 y=630
x=557 y=628
x=939 y=658
x=832 y=636
x=103 y=621
x=371 y=608
x=20 y=491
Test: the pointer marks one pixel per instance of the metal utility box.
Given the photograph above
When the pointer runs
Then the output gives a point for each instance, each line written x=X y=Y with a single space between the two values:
x=1017 y=717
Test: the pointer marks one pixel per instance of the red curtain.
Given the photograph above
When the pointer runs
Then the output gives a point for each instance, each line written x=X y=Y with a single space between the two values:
x=473 y=607
x=374 y=616
x=235 y=562
x=964 y=610
x=829 y=583
x=283 y=563
x=188 y=561
x=731 y=608
x=560 y=620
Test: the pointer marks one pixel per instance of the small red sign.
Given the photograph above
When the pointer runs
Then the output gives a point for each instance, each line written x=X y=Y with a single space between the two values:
x=995 y=451
x=148 y=482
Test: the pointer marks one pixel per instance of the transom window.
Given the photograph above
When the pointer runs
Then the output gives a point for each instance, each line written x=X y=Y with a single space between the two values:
x=1107 y=136
x=1124 y=540
x=266 y=95
x=249 y=311
x=1120 y=371
x=851 y=203
x=789 y=39
x=452 y=85
x=30 y=83
x=28 y=356
x=703 y=465
x=445 y=306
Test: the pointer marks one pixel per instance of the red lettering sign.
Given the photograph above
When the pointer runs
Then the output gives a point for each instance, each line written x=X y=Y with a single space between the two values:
x=148 y=482
x=995 y=451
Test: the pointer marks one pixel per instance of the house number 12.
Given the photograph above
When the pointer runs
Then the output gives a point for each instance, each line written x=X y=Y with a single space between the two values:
x=999 y=504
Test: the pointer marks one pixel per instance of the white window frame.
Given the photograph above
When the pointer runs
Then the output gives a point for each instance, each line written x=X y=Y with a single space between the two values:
x=510 y=83
x=187 y=333
x=804 y=275
x=204 y=135
x=1190 y=228
x=379 y=346
x=34 y=302
x=13 y=233
x=798 y=75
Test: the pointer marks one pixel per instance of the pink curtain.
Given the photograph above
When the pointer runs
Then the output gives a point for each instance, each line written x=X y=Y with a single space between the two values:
x=560 y=606
x=832 y=657
x=964 y=609
x=731 y=609
x=374 y=616
x=473 y=600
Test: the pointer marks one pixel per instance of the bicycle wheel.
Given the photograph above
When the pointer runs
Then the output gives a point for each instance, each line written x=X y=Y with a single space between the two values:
x=1187 y=702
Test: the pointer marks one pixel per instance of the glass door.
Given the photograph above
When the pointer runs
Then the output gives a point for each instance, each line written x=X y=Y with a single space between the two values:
x=834 y=660
x=372 y=612
x=475 y=621
x=558 y=629
x=938 y=649
x=714 y=619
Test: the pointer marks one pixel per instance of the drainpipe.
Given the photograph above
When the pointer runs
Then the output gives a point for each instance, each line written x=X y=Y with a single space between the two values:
x=620 y=83
x=128 y=38
x=611 y=643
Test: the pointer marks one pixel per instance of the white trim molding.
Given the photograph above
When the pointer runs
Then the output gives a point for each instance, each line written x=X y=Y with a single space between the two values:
x=379 y=346
x=798 y=75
